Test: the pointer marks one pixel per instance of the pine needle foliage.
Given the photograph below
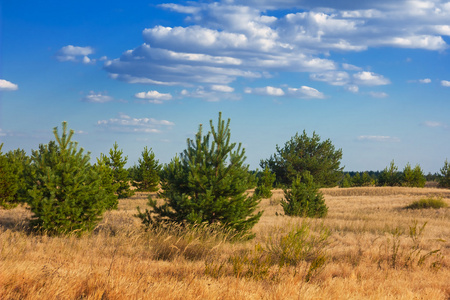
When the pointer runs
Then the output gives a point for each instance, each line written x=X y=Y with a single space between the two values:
x=206 y=184
x=116 y=161
x=304 y=199
x=413 y=177
x=108 y=183
x=306 y=154
x=146 y=178
x=8 y=182
x=444 y=179
x=66 y=195
x=265 y=184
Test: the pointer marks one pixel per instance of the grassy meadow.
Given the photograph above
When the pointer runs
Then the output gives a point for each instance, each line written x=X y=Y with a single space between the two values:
x=373 y=249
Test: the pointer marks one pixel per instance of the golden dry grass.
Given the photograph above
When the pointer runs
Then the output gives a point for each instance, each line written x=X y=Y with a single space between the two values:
x=120 y=261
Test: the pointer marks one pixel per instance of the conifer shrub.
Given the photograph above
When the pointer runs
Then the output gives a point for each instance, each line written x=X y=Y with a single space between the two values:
x=428 y=203
x=444 y=179
x=146 y=177
x=265 y=184
x=390 y=176
x=207 y=183
x=108 y=183
x=117 y=163
x=20 y=164
x=413 y=177
x=8 y=182
x=66 y=193
x=304 y=199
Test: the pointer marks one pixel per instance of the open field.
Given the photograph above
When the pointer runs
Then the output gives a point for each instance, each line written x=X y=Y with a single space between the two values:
x=369 y=255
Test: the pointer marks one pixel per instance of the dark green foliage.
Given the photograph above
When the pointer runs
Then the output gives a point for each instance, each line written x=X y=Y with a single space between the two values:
x=8 y=182
x=390 y=176
x=428 y=203
x=306 y=154
x=303 y=199
x=265 y=184
x=66 y=193
x=413 y=177
x=146 y=178
x=107 y=178
x=346 y=181
x=117 y=163
x=362 y=180
x=206 y=184
x=21 y=164
x=444 y=179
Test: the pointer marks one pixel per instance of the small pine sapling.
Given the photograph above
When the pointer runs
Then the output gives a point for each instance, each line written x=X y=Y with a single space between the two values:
x=146 y=178
x=8 y=182
x=265 y=184
x=304 y=199
x=117 y=163
x=66 y=194
x=206 y=184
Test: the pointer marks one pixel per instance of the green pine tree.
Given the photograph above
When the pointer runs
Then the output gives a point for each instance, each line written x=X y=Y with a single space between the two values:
x=390 y=176
x=265 y=184
x=117 y=163
x=413 y=177
x=346 y=181
x=304 y=199
x=66 y=194
x=444 y=179
x=147 y=173
x=206 y=184
x=8 y=182
x=21 y=164
x=107 y=178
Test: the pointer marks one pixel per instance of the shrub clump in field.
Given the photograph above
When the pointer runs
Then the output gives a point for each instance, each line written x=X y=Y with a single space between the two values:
x=303 y=199
x=265 y=184
x=206 y=184
x=65 y=191
x=427 y=203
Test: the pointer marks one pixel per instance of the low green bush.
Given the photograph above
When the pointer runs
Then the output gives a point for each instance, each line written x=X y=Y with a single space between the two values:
x=428 y=203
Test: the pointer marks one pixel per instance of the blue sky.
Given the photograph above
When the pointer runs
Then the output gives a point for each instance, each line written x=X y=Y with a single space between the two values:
x=372 y=76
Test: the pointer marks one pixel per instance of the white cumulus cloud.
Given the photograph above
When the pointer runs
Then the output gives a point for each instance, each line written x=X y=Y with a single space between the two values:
x=370 y=78
x=154 y=96
x=6 y=85
x=445 y=83
x=265 y=91
x=306 y=92
x=75 y=54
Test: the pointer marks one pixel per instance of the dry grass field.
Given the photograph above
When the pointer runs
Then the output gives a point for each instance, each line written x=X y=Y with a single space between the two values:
x=376 y=249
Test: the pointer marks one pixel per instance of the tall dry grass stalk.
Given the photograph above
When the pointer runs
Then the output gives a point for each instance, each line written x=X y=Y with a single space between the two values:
x=369 y=230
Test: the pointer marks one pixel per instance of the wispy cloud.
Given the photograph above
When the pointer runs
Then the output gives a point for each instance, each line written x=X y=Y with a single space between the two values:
x=378 y=94
x=212 y=93
x=435 y=124
x=6 y=85
x=125 y=123
x=304 y=92
x=97 y=97
x=377 y=138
